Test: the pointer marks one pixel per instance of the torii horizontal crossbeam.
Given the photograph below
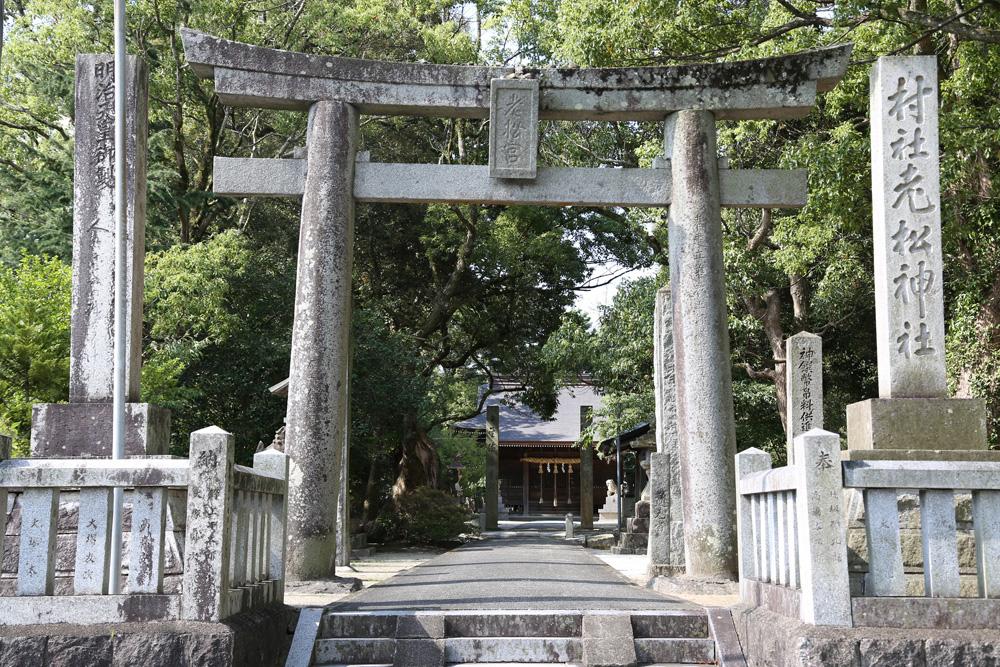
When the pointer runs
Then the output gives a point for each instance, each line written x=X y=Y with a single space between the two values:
x=254 y=76
x=467 y=184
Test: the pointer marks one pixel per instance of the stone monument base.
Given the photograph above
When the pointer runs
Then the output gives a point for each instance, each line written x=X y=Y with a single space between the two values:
x=84 y=429
x=610 y=510
x=259 y=637
x=917 y=424
x=778 y=641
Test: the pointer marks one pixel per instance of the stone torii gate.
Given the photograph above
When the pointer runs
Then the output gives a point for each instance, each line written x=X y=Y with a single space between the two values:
x=332 y=177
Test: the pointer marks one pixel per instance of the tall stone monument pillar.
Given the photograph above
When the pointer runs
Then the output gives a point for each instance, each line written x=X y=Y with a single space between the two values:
x=804 y=384
x=586 y=472
x=913 y=413
x=705 y=422
x=317 y=391
x=83 y=427
x=666 y=519
x=492 y=495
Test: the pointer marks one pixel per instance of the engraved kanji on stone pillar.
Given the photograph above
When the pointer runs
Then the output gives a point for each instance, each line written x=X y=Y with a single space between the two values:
x=513 y=128
x=804 y=385
x=92 y=321
x=909 y=294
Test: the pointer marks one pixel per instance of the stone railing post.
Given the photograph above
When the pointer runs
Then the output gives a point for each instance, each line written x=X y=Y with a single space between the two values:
x=6 y=443
x=826 y=593
x=210 y=500
x=275 y=464
x=749 y=461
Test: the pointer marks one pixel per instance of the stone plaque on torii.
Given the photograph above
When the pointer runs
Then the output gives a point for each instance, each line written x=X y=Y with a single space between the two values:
x=331 y=178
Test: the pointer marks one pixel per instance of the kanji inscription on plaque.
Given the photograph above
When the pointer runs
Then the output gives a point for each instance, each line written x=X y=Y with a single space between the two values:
x=513 y=128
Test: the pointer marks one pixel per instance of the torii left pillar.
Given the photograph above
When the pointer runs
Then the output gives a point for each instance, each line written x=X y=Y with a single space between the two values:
x=317 y=388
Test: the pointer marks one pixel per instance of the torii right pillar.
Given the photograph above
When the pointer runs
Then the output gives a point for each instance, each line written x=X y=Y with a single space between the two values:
x=705 y=421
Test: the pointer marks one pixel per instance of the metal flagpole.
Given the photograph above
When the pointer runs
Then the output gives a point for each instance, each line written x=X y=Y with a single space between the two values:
x=121 y=285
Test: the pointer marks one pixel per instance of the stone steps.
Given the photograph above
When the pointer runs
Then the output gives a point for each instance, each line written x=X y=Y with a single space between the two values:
x=436 y=639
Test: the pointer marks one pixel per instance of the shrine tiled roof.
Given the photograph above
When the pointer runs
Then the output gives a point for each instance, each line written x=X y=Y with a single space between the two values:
x=520 y=425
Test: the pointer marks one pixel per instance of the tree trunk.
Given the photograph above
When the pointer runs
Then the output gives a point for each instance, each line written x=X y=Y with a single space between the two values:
x=370 y=509
x=418 y=465
x=768 y=311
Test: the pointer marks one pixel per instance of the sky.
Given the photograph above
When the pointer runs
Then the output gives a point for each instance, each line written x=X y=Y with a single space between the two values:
x=590 y=301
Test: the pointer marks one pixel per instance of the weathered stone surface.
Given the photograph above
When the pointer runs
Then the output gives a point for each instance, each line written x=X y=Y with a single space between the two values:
x=664 y=466
x=825 y=598
x=916 y=424
x=990 y=455
x=36 y=558
x=22 y=651
x=892 y=653
x=491 y=497
x=959 y=653
x=680 y=650
x=404 y=183
x=419 y=626
x=773 y=87
x=92 y=318
x=256 y=638
x=728 y=651
x=344 y=489
x=748 y=461
x=269 y=177
x=513 y=128
x=210 y=502
x=70 y=651
x=84 y=429
x=419 y=653
x=906 y=202
x=144 y=649
x=146 y=557
x=317 y=397
x=93 y=544
x=275 y=463
x=692 y=624
x=608 y=641
x=705 y=422
x=804 y=386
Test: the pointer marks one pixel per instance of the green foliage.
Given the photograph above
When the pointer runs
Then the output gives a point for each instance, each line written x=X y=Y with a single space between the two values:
x=426 y=516
x=465 y=448
x=220 y=315
x=34 y=341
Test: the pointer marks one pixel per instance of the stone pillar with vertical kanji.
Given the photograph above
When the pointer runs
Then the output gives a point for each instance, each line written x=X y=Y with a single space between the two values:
x=82 y=427
x=913 y=415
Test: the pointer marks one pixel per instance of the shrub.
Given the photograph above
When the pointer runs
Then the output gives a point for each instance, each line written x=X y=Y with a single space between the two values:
x=426 y=515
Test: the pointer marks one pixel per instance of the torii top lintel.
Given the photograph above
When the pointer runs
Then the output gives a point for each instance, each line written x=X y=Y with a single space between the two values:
x=255 y=76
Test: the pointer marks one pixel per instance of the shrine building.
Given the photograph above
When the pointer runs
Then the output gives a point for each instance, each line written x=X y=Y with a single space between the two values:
x=539 y=461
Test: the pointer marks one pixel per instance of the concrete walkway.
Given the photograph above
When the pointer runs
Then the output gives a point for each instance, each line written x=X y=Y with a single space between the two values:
x=512 y=572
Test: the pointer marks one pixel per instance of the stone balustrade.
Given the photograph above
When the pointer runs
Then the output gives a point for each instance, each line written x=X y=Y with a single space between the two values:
x=792 y=540
x=220 y=525
x=801 y=570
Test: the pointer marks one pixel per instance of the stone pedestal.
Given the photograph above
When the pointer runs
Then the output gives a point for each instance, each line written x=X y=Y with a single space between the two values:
x=610 y=510
x=916 y=425
x=635 y=538
x=84 y=429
